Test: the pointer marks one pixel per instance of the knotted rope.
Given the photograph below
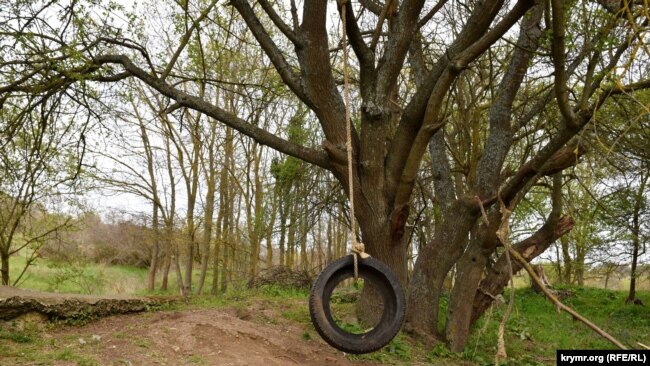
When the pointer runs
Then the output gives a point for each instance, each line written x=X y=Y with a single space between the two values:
x=358 y=249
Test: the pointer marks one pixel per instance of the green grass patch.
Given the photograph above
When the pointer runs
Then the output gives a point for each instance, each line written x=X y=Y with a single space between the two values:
x=80 y=360
x=16 y=336
x=536 y=330
x=78 y=277
x=398 y=351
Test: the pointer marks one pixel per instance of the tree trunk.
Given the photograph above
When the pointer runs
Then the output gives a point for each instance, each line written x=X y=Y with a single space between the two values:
x=227 y=243
x=291 y=235
x=539 y=271
x=304 y=261
x=579 y=264
x=636 y=244
x=471 y=267
x=425 y=288
x=155 y=251
x=283 y=229
x=270 y=225
x=167 y=263
x=208 y=217
x=179 y=275
x=566 y=275
x=256 y=214
x=384 y=244
x=4 y=257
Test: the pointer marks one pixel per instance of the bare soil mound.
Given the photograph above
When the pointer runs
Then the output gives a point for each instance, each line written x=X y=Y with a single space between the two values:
x=198 y=337
x=256 y=334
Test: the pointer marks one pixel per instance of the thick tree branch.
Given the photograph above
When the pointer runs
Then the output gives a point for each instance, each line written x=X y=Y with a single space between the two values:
x=274 y=53
x=380 y=24
x=414 y=114
x=260 y=135
x=442 y=180
x=318 y=78
x=500 y=133
x=431 y=122
x=280 y=24
x=488 y=39
x=365 y=55
x=371 y=5
x=403 y=30
x=559 y=60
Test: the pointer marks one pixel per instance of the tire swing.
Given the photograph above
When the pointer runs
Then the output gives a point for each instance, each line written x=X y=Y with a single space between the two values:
x=358 y=264
x=385 y=283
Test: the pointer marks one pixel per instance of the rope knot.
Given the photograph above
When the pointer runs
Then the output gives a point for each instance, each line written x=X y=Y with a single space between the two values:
x=360 y=250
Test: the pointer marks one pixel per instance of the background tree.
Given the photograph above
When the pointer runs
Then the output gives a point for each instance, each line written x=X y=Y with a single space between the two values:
x=40 y=163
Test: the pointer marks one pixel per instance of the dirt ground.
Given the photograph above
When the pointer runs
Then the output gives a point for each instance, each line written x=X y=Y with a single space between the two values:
x=254 y=334
x=197 y=337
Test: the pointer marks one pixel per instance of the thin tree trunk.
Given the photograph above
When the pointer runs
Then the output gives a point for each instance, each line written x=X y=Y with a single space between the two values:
x=256 y=223
x=4 y=257
x=208 y=216
x=155 y=251
x=284 y=207
x=179 y=275
x=636 y=242
x=304 y=261
x=291 y=235
x=269 y=232
x=566 y=275
x=167 y=263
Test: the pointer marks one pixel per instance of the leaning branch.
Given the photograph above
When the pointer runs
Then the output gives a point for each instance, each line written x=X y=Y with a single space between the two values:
x=559 y=304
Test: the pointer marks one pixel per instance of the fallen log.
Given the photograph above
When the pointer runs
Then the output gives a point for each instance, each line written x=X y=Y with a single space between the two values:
x=15 y=302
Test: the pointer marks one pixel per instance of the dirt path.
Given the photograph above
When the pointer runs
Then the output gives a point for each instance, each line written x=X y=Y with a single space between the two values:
x=196 y=337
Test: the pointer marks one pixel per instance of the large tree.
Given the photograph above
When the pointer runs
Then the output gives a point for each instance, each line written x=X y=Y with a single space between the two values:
x=535 y=79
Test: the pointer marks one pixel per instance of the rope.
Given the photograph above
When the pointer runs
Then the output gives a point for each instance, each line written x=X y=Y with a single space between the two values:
x=358 y=249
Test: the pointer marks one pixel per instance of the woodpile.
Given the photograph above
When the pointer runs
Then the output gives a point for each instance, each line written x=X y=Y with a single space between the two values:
x=282 y=276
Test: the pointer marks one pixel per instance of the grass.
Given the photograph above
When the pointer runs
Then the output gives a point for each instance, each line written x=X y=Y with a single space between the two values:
x=27 y=346
x=535 y=330
x=83 y=278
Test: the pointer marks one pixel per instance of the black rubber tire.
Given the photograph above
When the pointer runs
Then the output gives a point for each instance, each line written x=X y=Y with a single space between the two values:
x=384 y=281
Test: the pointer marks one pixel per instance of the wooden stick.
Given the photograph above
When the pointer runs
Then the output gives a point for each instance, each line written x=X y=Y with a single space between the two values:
x=559 y=304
